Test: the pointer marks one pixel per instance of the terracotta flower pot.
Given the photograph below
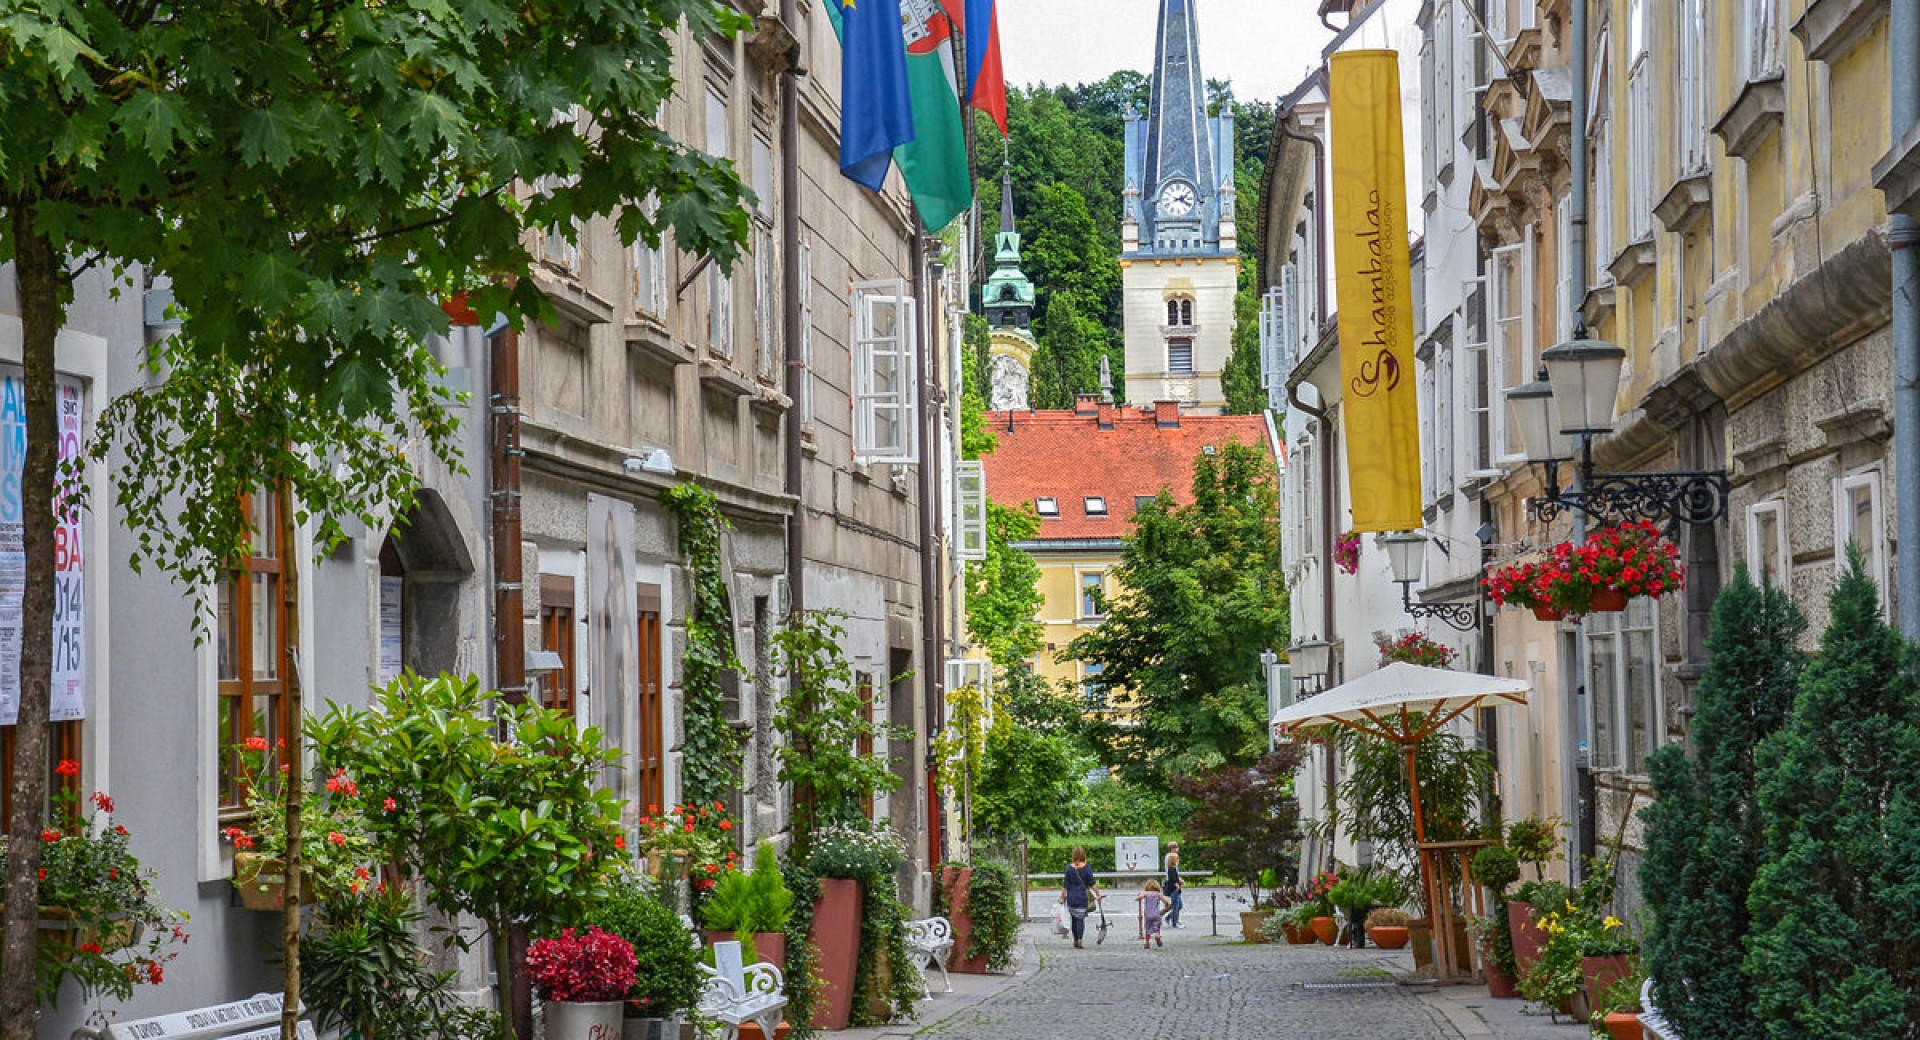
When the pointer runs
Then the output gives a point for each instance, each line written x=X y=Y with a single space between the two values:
x=836 y=935
x=1326 y=929
x=1608 y=599
x=1499 y=983
x=1298 y=934
x=1546 y=613
x=1388 y=936
x=959 y=883
x=1528 y=939
x=1625 y=1025
x=1602 y=973
x=1250 y=924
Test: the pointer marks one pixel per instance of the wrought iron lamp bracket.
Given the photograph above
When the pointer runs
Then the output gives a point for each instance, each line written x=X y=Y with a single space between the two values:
x=1462 y=617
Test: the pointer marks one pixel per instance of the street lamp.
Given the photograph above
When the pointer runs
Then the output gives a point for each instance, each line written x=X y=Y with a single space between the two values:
x=1279 y=689
x=1581 y=378
x=1406 y=554
x=1310 y=658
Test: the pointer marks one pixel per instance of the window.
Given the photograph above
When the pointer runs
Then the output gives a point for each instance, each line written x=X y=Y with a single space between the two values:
x=1639 y=124
x=763 y=176
x=1762 y=38
x=1096 y=505
x=719 y=311
x=650 y=271
x=1856 y=519
x=719 y=126
x=1624 y=692
x=1180 y=357
x=766 y=339
x=970 y=525
x=1430 y=103
x=557 y=689
x=554 y=245
x=1093 y=692
x=1443 y=82
x=1600 y=233
x=1477 y=359
x=1445 y=395
x=885 y=389
x=651 y=781
x=251 y=645
x=1141 y=502
x=1565 y=299
x=1769 y=554
x=1513 y=361
x=1048 y=508
x=63 y=744
x=1694 y=117
x=1093 y=590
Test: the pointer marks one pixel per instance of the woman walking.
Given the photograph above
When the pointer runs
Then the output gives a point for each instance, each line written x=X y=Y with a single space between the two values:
x=1173 y=885
x=1079 y=892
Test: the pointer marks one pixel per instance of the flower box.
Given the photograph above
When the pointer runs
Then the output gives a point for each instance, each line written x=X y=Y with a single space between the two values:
x=1602 y=573
x=261 y=881
x=836 y=935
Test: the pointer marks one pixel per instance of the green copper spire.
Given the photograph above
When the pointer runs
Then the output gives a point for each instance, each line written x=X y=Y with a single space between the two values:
x=1008 y=296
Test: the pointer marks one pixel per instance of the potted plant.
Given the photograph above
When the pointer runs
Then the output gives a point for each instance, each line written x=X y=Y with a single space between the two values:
x=583 y=978
x=1617 y=1013
x=1496 y=867
x=98 y=921
x=1346 y=552
x=751 y=907
x=848 y=857
x=1607 y=953
x=668 y=981
x=691 y=842
x=1295 y=924
x=1320 y=899
x=1414 y=648
x=1627 y=560
x=335 y=846
x=1387 y=927
x=366 y=974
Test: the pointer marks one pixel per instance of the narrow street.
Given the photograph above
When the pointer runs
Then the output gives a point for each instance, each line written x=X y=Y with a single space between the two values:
x=1202 y=987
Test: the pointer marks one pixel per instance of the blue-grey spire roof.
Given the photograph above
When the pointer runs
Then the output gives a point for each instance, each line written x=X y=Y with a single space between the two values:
x=1179 y=141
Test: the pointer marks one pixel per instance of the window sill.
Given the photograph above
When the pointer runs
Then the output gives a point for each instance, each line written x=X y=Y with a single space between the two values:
x=1755 y=113
x=1898 y=172
x=570 y=297
x=1831 y=29
x=1687 y=202
x=1634 y=263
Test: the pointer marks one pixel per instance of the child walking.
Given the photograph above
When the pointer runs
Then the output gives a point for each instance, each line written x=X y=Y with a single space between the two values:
x=1151 y=904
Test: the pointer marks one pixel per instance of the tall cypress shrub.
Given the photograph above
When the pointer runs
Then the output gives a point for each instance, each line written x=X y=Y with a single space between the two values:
x=1705 y=836
x=1835 y=948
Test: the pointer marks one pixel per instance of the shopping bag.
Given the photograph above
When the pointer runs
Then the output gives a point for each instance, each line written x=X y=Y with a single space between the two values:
x=1062 y=920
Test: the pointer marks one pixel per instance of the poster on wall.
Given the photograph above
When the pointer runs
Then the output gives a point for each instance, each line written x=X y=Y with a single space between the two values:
x=613 y=633
x=69 y=590
x=390 y=644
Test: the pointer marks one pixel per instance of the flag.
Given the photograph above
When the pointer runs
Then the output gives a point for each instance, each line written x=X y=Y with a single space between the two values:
x=934 y=157
x=986 y=82
x=876 y=111
x=1382 y=414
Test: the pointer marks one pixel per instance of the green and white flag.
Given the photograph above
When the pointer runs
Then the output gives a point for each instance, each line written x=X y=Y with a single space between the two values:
x=935 y=161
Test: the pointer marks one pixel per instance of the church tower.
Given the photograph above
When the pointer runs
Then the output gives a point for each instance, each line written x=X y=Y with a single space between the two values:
x=1179 y=251
x=1008 y=301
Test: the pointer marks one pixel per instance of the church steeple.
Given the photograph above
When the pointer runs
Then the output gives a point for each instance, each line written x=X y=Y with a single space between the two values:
x=1008 y=296
x=1180 y=163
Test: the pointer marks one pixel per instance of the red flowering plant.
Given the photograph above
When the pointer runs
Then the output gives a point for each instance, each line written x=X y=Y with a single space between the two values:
x=99 y=922
x=1632 y=558
x=691 y=840
x=1415 y=648
x=587 y=967
x=336 y=848
x=1346 y=552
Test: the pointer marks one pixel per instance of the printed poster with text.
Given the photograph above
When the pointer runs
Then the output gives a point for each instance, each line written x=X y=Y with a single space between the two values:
x=69 y=589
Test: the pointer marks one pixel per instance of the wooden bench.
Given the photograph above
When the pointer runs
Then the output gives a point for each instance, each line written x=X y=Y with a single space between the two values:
x=931 y=944
x=738 y=993
x=1651 y=1019
x=255 y=1018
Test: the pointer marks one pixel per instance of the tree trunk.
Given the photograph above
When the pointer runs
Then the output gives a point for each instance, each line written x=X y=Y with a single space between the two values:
x=296 y=772
x=44 y=287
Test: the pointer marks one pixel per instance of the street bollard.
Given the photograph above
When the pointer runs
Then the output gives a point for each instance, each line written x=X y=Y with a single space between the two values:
x=1214 y=914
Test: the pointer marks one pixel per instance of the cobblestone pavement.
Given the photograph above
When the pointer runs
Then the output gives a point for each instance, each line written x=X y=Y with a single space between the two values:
x=1200 y=988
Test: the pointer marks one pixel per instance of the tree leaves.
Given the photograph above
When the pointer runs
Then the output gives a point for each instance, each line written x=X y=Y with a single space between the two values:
x=152 y=119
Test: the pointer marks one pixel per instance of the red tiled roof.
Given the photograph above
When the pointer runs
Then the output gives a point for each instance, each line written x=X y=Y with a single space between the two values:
x=1066 y=456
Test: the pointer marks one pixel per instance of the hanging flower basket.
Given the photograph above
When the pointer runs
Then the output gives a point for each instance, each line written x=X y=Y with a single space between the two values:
x=1415 y=648
x=1346 y=552
x=1602 y=573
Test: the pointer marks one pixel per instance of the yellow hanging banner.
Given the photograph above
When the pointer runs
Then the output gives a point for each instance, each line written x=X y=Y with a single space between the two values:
x=1374 y=291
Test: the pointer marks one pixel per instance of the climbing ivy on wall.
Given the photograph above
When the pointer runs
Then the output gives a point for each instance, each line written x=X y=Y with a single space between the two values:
x=710 y=768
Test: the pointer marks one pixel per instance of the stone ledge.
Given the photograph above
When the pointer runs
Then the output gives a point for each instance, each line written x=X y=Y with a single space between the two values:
x=1688 y=201
x=1831 y=28
x=1759 y=109
x=1635 y=262
x=1898 y=173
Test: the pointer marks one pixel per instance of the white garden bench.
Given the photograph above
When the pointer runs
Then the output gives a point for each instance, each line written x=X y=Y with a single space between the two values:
x=737 y=993
x=931 y=944
x=255 y=1018
x=1651 y=1019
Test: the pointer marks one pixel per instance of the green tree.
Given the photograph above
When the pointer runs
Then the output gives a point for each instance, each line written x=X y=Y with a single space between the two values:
x=824 y=722
x=1204 y=596
x=1241 y=378
x=1003 y=591
x=1835 y=947
x=1705 y=835
x=313 y=178
x=1061 y=250
x=1031 y=779
x=1068 y=361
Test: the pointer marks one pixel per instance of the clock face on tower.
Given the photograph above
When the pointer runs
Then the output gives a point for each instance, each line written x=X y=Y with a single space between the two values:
x=1177 y=199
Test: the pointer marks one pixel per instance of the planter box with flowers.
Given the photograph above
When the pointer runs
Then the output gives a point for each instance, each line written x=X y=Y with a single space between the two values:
x=1613 y=565
x=583 y=979
x=1415 y=648
x=335 y=845
x=694 y=842
x=98 y=921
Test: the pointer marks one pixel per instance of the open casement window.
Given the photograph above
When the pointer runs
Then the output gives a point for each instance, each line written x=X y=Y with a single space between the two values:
x=63 y=745
x=885 y=376
x=719 y=311
x=1446 y=400
x=1476 y=357
x=1696 y=82
x=766 y=294
x=1513 y=354
x=1626 y=713
x=650 y=272
x=863 y=744
x=806 y=333
x=651 y=757
x=1565 y=299
x=1640 y=123
x=251 y=642
x=555 y=246
x=1599 y=118
x=970 y=526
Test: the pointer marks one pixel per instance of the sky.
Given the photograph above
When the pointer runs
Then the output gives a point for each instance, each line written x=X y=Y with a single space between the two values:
x=1264 y=46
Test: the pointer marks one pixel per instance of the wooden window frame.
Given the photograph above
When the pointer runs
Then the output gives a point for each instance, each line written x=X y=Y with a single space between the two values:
x=63 y=742
x=651 y=756
x=558 y=689
x=244 y=687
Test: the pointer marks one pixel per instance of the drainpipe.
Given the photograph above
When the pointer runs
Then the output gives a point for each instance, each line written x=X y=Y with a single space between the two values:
x=931 y=657
x=1578 y=810
x=1903 y=39
x=509 y=599
x=790 y=290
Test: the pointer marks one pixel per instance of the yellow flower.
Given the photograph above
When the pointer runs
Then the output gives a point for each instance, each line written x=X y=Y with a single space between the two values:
x=1611 y=923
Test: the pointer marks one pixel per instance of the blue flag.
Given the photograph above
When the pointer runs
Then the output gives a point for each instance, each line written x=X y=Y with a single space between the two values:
x=876 y=105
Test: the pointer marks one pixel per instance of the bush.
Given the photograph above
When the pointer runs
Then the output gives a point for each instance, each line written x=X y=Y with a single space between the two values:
x=996 y=915
x=364 y=973
x=1110 y=805
x=746 y=903
x=668 y=979
x=1247 y=820
x=1496 y=867
x=1836 y=901
x=1705 y=836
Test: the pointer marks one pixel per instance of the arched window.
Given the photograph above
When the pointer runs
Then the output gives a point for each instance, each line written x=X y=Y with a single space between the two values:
x=1180 y=312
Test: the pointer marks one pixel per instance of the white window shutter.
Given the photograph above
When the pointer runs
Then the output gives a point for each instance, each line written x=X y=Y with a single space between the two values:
x=885 y=376
x=970 y=534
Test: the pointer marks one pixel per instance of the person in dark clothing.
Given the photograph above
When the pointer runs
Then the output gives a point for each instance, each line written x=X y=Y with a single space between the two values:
x=1079 y=892
x=1173 y=885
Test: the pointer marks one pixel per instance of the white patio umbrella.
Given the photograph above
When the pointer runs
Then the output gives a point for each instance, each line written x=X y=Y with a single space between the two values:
x=1404 y=703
